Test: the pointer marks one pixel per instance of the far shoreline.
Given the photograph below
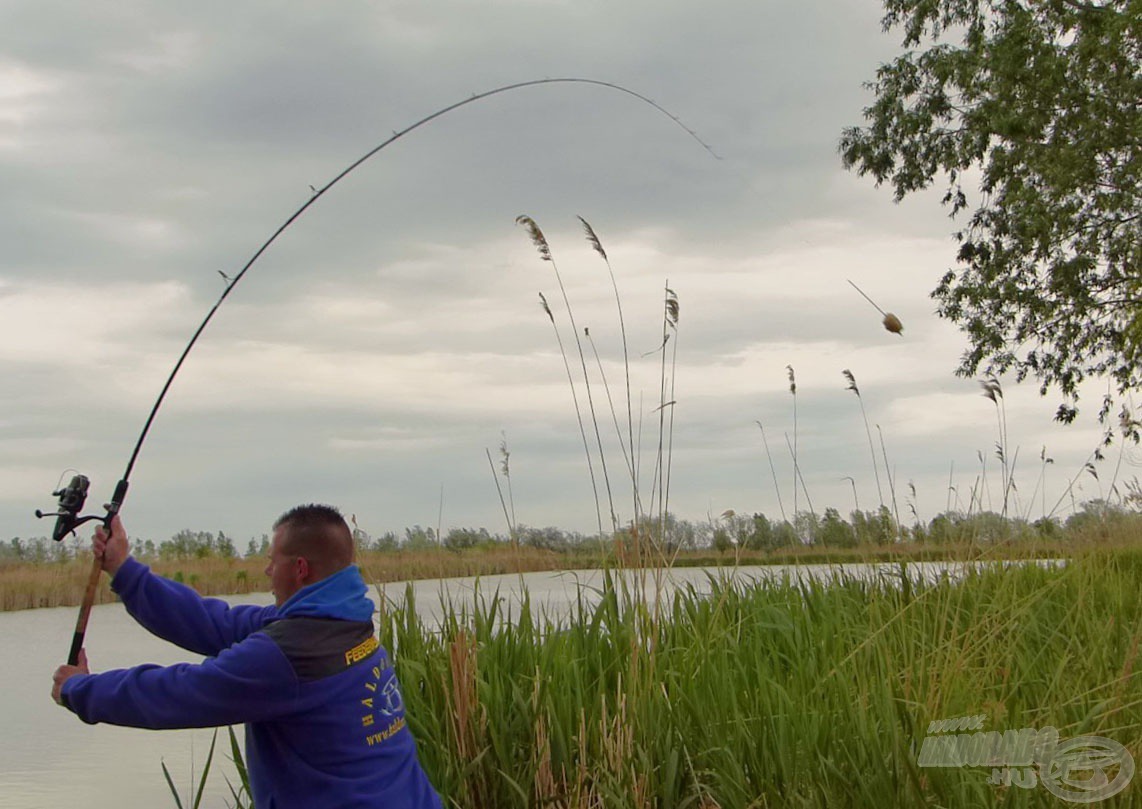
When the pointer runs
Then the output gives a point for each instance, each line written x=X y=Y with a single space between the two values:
x=60 y=584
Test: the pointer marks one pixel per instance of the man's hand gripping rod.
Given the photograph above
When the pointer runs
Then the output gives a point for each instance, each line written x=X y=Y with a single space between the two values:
x=71 y=500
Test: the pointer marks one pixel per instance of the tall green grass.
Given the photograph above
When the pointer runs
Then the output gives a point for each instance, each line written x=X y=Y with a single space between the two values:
x=778 y=694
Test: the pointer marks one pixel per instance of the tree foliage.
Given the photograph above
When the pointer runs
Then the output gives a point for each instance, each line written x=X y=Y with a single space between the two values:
x=1029 y=111
x=187 y=544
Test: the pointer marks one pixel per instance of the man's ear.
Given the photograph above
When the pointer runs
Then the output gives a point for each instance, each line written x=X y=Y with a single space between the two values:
x=302 y=568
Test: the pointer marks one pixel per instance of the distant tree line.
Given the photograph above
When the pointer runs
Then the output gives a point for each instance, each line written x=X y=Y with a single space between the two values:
x=1096 y=519
x=186 y=544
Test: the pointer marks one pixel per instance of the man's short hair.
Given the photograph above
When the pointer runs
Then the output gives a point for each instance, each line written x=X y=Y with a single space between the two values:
x=320 y=534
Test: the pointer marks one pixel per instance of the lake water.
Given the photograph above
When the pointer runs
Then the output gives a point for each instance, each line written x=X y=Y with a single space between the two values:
x=49 y=758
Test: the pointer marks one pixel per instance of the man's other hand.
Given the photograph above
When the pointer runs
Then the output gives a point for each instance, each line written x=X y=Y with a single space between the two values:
x=64 y=673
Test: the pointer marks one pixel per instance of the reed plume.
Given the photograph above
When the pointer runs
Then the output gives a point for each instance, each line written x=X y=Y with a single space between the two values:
x=669 y=326
x=540 y=242
x=505 y=470
x=537 y=238
x=793 y=391
x=1044 y=459
x=670 y=320
x=994 y=391
x=853 y=387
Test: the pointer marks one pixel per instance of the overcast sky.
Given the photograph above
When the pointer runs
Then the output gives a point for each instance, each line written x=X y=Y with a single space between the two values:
x=393 y=334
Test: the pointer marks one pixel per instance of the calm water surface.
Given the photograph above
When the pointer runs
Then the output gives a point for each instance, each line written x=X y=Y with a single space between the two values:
x=49 y=758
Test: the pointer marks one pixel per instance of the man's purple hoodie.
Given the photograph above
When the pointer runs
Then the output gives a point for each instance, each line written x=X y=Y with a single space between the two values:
x=325 y=722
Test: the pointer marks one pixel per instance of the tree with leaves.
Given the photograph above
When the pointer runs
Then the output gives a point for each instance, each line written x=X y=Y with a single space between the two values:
x=1029 y=111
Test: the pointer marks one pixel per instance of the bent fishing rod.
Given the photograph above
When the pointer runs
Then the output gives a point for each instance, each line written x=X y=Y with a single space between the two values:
x=71 y=498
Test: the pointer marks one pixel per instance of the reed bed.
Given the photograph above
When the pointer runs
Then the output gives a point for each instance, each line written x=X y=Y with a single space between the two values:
x=61 y=584
x=772 y=694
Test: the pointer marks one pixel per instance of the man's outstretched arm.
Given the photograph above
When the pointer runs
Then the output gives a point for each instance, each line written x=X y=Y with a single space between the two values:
x=170 y=610
x=249 y=682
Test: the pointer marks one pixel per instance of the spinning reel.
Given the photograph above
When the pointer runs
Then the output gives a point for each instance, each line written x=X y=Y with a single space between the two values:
x=71 y=500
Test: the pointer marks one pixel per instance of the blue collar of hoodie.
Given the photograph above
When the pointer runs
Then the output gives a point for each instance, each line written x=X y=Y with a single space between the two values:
x=341 y=595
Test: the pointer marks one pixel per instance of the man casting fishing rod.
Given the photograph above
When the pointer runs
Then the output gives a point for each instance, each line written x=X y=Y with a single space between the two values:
x=325 y=722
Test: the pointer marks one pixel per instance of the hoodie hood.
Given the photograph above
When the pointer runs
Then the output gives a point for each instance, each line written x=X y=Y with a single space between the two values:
x=341 y=595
